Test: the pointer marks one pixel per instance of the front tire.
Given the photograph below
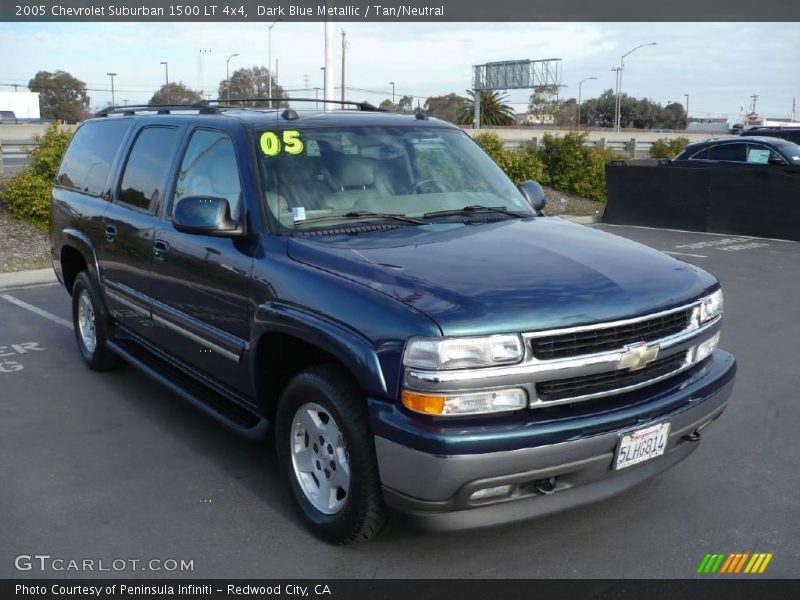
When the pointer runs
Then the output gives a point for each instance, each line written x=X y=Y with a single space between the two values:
x=326 y=450
x=91 y=325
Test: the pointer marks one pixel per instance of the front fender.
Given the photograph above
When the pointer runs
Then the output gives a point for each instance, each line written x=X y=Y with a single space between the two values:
x=353 y=349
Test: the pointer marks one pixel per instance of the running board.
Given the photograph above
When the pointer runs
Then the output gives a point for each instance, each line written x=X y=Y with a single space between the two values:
x=231 y=414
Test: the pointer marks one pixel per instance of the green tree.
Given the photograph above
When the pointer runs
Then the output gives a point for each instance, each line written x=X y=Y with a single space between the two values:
x=251 y=82
x=62 y=97
x=406 y=105
x=542 y=104
x=175 y=93
x=494 y=111
x=668 y=148
x=386 y=105
x=447 y=108
x=27 y=194
x=571 y=166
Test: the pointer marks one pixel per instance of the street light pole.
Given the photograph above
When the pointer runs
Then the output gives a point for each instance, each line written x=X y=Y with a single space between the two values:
x=166 y=76
x=580 y=83
x=112 y=75
x=391 y=83
x=228 y=77
x=269 y=59
x=687 y=110
x=621 y=68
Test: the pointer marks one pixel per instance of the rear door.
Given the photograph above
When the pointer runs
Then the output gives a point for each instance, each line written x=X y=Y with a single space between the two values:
x=200 y=284
x=130 y=223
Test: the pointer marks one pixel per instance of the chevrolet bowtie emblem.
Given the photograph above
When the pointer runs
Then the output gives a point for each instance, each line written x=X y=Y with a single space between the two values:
x=637 y=356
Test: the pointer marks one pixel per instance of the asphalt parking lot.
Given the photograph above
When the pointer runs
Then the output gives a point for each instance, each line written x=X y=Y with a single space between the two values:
x=112 y=466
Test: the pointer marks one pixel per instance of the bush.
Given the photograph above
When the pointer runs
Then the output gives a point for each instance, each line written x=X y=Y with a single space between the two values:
x=572 y=167
x=666 y=148
x=27 y=194
x=520 y=164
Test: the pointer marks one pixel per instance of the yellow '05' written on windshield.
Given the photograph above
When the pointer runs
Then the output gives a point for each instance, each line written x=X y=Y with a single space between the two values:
x=272 y=144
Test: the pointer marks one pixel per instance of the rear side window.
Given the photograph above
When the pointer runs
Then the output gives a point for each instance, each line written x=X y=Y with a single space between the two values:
x=90 y=154
x=147 y=167
x=702 y=155
x=733 y=152
x=209 y=168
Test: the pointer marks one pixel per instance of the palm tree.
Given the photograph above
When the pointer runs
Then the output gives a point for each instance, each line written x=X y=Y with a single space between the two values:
x=493 y=109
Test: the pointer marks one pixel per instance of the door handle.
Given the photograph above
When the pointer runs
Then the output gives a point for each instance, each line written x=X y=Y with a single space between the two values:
x=111 y=233
x=160 y=250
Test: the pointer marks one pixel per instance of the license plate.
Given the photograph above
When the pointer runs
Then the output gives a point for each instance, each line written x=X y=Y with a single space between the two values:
x=644 y=444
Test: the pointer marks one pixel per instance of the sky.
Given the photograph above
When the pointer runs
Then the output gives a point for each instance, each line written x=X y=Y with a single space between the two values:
x=720 y=65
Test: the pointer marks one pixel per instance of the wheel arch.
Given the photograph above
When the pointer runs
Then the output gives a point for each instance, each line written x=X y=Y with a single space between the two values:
x=288 y=339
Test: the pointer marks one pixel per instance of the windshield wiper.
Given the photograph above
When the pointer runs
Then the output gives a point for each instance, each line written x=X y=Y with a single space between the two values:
x=474 y=208
x=362 y=215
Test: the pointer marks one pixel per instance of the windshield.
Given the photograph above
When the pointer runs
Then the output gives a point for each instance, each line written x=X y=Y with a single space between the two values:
x=324 y=177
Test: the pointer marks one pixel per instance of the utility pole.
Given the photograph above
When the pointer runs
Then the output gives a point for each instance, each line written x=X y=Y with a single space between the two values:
x=391 y=83
x=619 y=70
x=112 y=75
x=329 y=69
x=580 y=83
x=269 y=60
x=687 y=110
x=344 y=52
x=166 y=76
x=228 y=77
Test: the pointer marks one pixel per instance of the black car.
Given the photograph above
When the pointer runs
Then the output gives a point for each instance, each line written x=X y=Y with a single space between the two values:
x=372 y=290
x=791 y=134
x=753 y=150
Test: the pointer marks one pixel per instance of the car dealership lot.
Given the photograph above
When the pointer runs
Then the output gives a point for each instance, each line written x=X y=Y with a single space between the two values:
x=112 y=466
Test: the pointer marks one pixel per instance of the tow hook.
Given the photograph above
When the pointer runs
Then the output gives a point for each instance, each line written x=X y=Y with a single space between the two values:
x=695 y=435
x=545 y=486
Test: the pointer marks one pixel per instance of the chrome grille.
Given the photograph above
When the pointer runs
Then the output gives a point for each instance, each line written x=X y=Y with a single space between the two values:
x=603 y=383
x=601 y=339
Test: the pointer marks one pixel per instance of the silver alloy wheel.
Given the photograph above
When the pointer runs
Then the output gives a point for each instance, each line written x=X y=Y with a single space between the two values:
x=86 y=325
x=319 y=458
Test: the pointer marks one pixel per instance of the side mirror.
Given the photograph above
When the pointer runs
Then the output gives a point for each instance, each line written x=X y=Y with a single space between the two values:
x=204 y=215
x=534 y=194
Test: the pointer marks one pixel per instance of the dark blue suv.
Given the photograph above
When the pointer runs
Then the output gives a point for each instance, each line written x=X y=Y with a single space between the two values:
x=371 y=289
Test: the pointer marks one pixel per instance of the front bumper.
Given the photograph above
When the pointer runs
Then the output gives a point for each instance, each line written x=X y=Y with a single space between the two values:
x=430 y=469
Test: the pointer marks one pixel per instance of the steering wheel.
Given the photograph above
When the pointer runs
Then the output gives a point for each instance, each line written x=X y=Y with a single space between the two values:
x=443 y=187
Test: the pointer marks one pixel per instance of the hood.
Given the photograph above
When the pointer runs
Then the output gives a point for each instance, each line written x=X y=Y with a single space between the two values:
x=509 y=276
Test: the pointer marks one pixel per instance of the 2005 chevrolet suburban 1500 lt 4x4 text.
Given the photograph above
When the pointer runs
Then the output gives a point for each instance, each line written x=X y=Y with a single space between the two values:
x=375 y=289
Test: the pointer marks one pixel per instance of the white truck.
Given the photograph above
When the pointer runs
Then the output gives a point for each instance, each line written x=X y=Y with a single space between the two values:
x=24 y=105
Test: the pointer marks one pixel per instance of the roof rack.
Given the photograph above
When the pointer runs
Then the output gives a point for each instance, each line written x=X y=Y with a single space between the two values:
x=214 y=107
x=366 y=106
x=162 y=109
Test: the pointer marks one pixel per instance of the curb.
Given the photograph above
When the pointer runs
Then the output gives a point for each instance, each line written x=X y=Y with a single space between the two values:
x=26 y=278
x=587 y=220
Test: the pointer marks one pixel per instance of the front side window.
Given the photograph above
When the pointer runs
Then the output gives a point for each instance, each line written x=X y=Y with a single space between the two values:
x=322 y=177
x=147 y=168
x=209 y=168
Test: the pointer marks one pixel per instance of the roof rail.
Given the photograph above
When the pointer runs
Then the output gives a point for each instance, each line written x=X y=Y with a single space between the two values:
x=163 y=109
x=221 y=102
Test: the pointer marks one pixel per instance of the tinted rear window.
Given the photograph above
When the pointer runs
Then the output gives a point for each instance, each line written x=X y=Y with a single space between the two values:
x=734 y=152
x=90 y=154
x=148 y=166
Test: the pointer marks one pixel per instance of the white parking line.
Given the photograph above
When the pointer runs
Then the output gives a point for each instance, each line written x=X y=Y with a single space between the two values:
x=749 y=237
x=684 y=254
x=36 y=310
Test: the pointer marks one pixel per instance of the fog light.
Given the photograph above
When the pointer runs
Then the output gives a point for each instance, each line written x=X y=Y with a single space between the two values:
x=456 y=405
x=492 y=492
x=705 y=349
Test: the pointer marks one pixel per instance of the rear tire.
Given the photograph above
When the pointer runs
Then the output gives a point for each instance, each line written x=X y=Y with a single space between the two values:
x=92 y=326
x=326 y=450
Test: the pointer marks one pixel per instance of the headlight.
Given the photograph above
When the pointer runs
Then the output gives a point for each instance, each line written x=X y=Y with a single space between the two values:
x=463 y=353
x=711 y=306
x=460 y=404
